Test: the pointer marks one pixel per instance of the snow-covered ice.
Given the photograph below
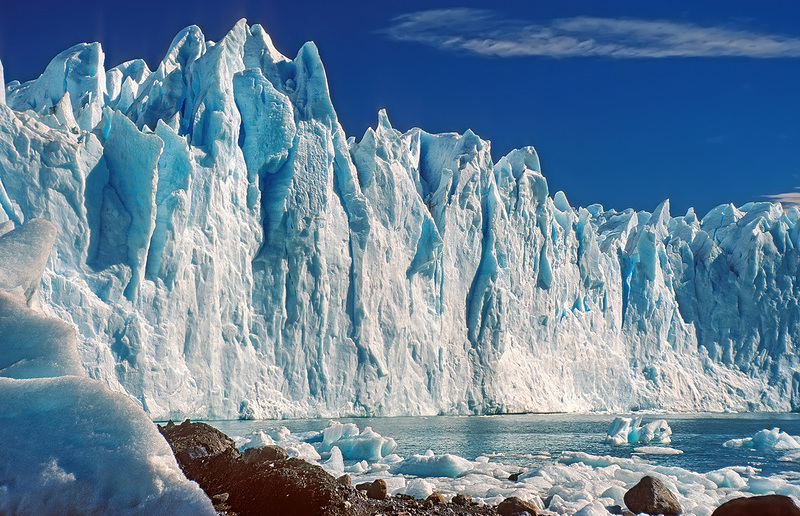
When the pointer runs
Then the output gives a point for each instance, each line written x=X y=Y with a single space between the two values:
x=69 y=444
x=224 y=250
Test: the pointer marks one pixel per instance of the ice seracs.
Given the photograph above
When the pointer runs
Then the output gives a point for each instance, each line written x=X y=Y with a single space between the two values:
x=224 y=250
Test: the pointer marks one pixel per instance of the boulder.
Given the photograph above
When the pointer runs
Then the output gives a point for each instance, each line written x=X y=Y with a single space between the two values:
x=192 y=441
x=651 y=496
x=290 y=487
x=436 y=499
x=345 y=480
x=462 y=499
x=769 y=505
x=514 y=505
x=377 y=490
x=268 y=453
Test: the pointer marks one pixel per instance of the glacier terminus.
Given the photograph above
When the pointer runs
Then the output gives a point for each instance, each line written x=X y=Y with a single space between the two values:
x=223 y=250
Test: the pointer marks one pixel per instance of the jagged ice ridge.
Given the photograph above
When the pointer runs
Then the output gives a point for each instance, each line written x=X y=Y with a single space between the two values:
x=225 y=251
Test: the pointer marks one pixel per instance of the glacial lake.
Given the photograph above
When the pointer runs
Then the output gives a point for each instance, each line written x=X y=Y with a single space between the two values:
x=565 y=461
x=514 y=439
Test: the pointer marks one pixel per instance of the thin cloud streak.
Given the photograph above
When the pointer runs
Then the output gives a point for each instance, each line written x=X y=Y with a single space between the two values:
x=489 y=33
x=787 y=199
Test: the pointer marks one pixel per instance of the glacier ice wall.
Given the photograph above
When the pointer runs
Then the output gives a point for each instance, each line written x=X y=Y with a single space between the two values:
x=224 y=250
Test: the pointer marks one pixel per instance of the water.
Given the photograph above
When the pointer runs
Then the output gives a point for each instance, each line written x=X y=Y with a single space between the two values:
x=514 y=439
x=560 y=479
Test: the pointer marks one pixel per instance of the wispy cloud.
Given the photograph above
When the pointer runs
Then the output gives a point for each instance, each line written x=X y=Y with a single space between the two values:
x=490 y=33
x=787 y=199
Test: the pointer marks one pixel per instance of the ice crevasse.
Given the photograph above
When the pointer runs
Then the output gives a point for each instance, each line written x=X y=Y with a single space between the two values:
x=224 y=250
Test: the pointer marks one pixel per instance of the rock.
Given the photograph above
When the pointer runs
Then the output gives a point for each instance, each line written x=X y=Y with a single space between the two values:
x=268 y=453
x=436 y=499
x=220 y=498
x=514 y=505
x=651 y=496
x=345 y=480
x=363 y=486
x=290 y=487
x=404 y=496
x=514 y=477
x=462 y=499
x=377 y=490
x=191 y=441
x=769 y=505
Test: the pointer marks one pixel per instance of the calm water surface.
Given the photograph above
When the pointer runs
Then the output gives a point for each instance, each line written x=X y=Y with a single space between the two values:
x=531 y=439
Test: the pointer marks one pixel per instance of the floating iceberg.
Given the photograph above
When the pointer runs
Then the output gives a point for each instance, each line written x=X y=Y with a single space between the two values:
x=70 y=444
x=766 y=440
x=625 y=430
x=224 y=250
x=432 y=465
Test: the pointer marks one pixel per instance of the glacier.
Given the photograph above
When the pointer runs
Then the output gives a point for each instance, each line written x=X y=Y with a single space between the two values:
x=224 y=250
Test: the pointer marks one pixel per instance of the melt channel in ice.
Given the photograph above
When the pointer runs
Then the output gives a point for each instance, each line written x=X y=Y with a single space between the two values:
x=69 y=444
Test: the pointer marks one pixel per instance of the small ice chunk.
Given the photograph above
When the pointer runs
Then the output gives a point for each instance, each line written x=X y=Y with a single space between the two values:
x=368 y=445
x=431 y=465
x=335 y=463
x=259 y=438
x=420 y=488
x=657 y=450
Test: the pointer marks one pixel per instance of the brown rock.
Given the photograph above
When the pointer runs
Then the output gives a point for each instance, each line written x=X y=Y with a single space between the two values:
x=192 y=441
x=462 y=499
x=513 y=505
x=220 y=498
x=264 y=454
x=345 y=480
x=770 y=505
x=290 y=487
x=363 y=486
x=651 y=496
x=377 y=490
x=404 y=496
x=436 y=499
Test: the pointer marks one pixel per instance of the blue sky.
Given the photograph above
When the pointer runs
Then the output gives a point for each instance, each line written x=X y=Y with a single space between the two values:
x=627 y=102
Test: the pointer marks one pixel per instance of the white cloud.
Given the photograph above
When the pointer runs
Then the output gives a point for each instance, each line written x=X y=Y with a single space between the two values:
x=489 y=33
x=787 y=199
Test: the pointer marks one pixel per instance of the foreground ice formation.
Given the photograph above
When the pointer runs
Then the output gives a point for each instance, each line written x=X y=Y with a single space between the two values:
x=224 y=250
x=69 y=444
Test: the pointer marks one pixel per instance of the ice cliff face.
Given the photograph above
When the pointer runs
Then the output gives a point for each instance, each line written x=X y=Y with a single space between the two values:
x=225 y=251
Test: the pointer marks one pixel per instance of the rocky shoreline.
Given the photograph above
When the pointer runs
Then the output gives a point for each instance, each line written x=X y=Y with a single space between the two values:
x=265 y=480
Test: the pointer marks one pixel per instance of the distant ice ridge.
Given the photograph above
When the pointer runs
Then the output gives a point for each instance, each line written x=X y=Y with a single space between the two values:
x=69 y=444
x=225 y=251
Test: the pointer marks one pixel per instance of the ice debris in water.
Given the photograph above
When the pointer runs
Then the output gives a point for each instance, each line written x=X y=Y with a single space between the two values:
x=766 y=440
x=69 y=444
x=625 y=430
